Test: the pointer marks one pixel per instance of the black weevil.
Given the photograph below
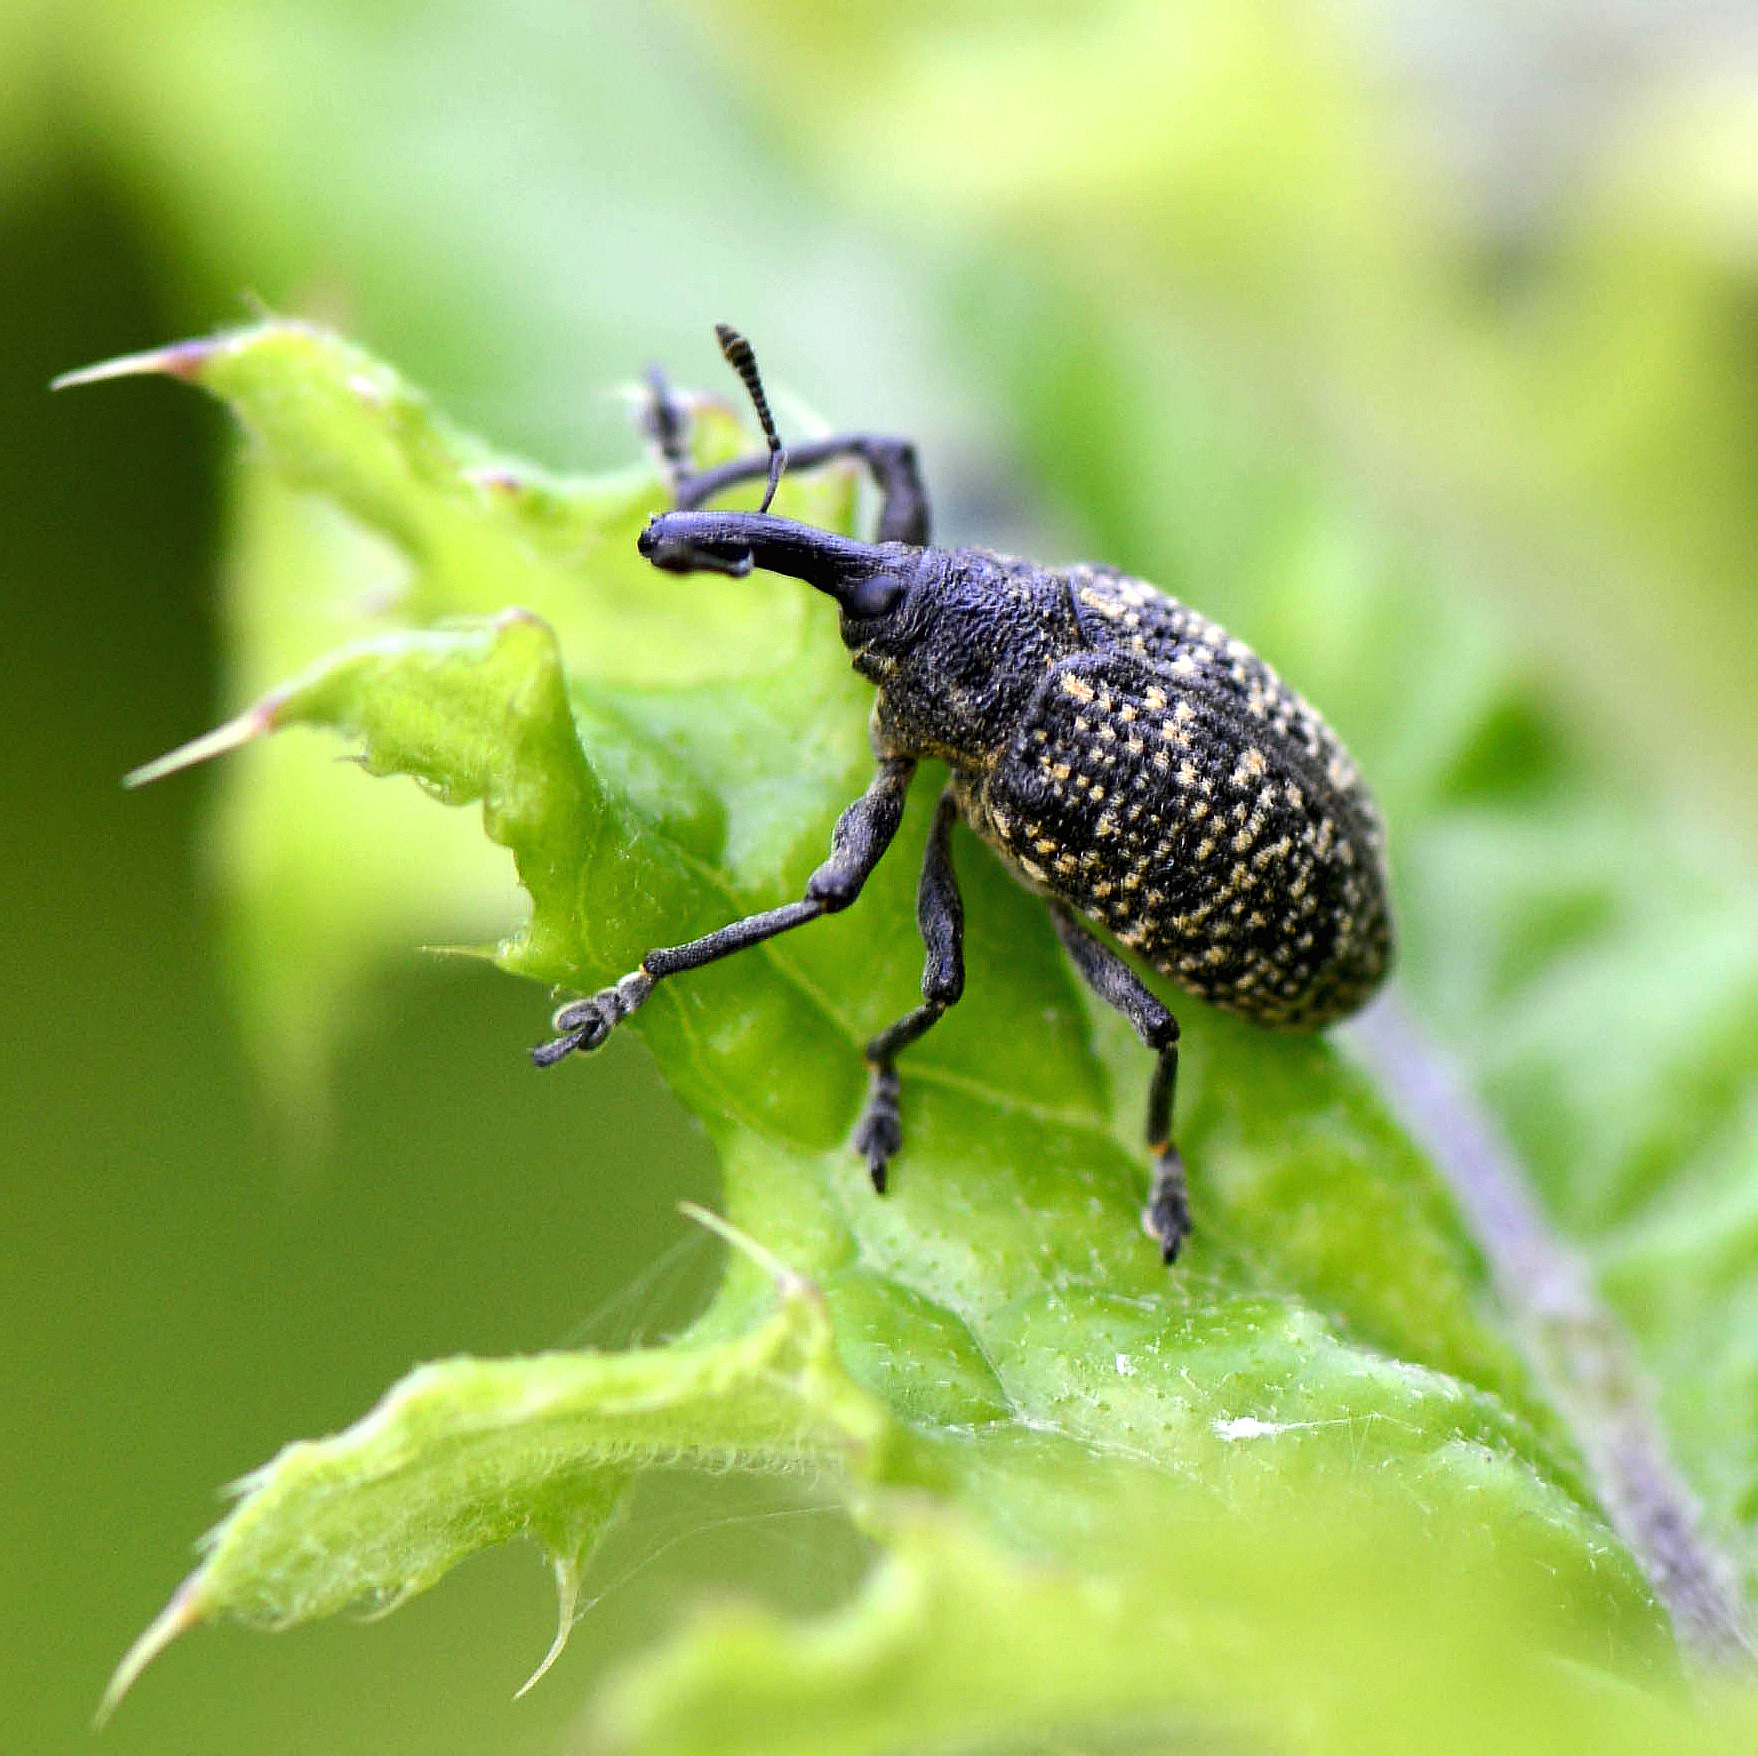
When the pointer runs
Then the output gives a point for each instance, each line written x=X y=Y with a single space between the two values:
x=1127 y=759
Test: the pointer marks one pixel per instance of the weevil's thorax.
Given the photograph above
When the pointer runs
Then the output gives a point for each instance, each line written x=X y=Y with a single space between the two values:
x=959 y=659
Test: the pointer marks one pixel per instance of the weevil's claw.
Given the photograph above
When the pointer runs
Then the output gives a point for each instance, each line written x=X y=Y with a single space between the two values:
x=1166 y=1219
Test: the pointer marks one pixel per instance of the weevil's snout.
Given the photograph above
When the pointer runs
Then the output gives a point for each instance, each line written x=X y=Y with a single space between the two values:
x=687 y=553
x=864 y=578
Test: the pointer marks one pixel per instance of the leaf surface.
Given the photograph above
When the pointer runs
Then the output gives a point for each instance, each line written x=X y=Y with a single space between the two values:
x=1020 y=1403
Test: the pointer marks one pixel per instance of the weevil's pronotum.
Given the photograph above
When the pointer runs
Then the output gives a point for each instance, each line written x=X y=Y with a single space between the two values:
x=1127 y=759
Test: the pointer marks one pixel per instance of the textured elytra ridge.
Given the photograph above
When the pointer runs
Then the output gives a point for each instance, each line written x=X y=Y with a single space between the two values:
x=1326 y=1348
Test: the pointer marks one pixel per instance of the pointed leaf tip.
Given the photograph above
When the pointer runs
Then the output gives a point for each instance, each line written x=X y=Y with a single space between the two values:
x=786 y=1278
x=252 y=723
x=568 y=1574
x=182 y=359
x=180 y=1614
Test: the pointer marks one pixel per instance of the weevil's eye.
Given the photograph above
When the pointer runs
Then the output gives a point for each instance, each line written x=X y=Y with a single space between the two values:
x=877 y=595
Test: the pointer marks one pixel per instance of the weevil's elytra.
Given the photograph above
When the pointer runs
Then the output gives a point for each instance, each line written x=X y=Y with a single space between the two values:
x=1127 y=758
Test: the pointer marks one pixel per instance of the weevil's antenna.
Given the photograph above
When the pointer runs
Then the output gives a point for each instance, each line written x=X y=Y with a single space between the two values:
x=743 y=360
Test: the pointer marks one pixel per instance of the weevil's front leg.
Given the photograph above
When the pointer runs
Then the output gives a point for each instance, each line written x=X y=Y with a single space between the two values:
x=940 y=915
x=903 y=501
x=663 y=418
x=1167 y=1216
x=892 y=463
x=862 y=834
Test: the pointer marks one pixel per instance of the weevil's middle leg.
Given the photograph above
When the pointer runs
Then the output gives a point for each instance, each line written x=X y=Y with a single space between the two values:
x=1167 y=1216
x=862 y=834
x=940 y=915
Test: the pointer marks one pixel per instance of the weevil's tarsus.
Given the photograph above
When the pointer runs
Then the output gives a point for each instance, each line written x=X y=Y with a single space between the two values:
x=1166 y=1218
x=878 y=1136
x=664 y=421
x=584 y=1024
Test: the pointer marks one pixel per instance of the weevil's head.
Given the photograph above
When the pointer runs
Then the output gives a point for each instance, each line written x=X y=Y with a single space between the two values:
x=954 y=639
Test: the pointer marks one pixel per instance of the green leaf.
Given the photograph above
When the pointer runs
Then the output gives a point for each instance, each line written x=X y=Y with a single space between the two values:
x=466 y=1453
x=661 y=756
x=1332 y=1637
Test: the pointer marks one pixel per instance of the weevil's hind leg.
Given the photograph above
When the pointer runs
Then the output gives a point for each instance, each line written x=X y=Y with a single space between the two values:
x=862 y=834
x=1167 y=1216
x=940 y=915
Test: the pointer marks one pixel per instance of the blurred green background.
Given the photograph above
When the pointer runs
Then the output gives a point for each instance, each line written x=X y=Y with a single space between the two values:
x=1483 y=278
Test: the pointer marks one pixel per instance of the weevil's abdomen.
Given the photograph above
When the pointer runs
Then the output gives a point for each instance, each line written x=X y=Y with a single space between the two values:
x=1166 y=782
